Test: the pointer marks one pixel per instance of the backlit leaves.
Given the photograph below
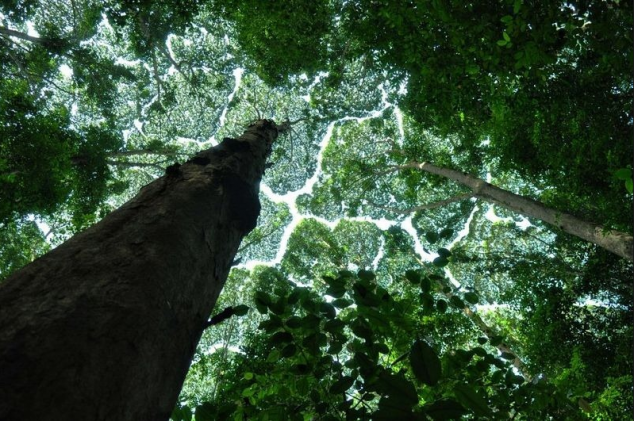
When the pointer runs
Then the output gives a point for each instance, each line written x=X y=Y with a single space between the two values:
x=425 y=363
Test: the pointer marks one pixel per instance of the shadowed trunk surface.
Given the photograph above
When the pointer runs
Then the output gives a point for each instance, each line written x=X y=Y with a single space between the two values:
x=104 y=326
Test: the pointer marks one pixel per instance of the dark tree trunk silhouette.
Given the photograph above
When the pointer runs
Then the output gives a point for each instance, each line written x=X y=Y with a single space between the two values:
x=104 y=326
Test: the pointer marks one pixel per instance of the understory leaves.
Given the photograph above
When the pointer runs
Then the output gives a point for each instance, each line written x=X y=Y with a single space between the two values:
x=425 y=363
x=468 y=397
x=346 y=354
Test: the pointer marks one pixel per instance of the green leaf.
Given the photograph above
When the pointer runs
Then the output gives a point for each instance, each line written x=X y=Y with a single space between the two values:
x=456 y=302
x=623 y=174
x=263 y=297
x=262 y=301
x=278 y=307
x=442 y=305
x=273 y=413
x=301 y=369
x=334 y=326
x=294 y=296
x=432 y=237
x=400 y=390
x=366 y=275
x=507 y=19
x=482 y=366
x=362 y=331
x=328 y=310
x=342 y=303
x=271 y=325
x=240 y=310
x=248 y=376
x=261 y=308
x=629 y=185
x=502 y=43
x=471 y=297
x=293 y=322
x=478 y=350
x=425 y=363
x=440 y=261
x=506 y=36
x=289 y=350
x=425 y=284
x=280 y=338
x=381 y=348
x=443 y=252
x=446 y=409
x=446 y=233
x=497 y=377
x=507 y=356
x=496 y=340
x=311 y=321
x=510 y=378
x=309 y=304
x=413 y=276
x=482 y=340
x=335 y=348
x=338 y=283
x=329 y=279
x=302 y=386
x=248 y=392
x=182 y=413
x=463 y=355
x=336 y=291
x=341 y=385
x=314 y=341
x=205 y=412
x=469 y=398
x=427 y=301
x=392 y=408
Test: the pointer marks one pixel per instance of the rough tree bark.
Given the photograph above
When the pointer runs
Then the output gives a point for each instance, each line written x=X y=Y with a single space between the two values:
x=104 y=326
x=617 y=242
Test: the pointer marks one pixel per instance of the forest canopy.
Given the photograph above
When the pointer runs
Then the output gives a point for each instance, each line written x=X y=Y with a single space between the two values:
x=396 y=271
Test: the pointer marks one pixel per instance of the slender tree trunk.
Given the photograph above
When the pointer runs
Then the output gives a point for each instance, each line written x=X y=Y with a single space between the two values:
x=136 y=152
x=619 y=243
x=121 y=164
x=104 y=326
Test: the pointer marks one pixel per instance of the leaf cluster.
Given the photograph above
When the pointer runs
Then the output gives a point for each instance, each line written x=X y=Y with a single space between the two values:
x=349 y=355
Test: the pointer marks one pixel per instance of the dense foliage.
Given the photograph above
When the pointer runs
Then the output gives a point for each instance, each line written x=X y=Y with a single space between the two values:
x=376 y=292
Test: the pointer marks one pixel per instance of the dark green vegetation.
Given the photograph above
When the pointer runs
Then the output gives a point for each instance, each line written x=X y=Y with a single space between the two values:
x=357 y=320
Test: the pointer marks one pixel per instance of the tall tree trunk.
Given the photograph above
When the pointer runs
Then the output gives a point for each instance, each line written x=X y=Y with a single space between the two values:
x=619 y=243
x=104 y=326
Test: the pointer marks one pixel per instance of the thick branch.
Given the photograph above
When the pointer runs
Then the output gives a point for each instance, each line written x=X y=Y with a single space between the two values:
x=134 y=164
x=135 y=152
x=52 y=43
x=617 y=242
x=21 y=35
